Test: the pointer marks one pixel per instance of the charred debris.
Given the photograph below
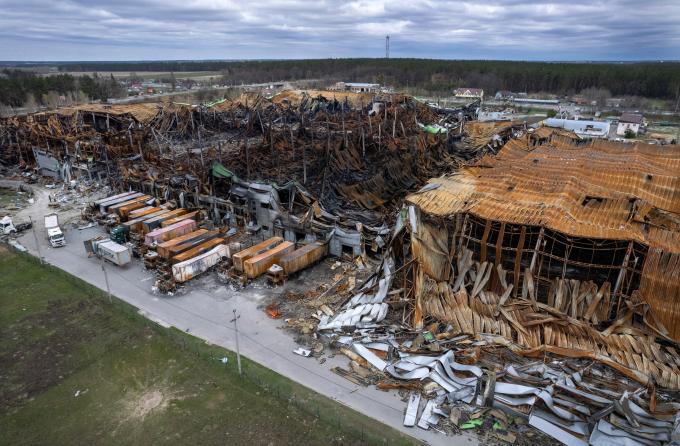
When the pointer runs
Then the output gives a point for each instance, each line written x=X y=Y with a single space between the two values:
x=532 y=281
x=541 y=281
x=301 y=165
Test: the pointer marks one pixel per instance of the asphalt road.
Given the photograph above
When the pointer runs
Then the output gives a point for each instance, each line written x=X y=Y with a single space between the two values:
x=205 y=312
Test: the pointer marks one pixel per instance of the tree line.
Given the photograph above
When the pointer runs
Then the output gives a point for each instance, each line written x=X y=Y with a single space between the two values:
x=648 y=79
x=19 y=87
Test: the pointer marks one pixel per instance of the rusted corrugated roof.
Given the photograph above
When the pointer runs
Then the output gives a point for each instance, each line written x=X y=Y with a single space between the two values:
x=296 y=96
x=143 y=112
x=547 y=132
x=600 y=190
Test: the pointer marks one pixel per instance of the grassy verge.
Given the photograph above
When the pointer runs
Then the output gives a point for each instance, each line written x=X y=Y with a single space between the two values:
x=75 y=369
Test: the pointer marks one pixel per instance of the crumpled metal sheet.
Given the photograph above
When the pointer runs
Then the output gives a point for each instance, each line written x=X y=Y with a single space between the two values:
x=367 y=306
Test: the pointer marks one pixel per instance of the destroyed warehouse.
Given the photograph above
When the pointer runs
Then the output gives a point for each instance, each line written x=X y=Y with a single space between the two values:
x=523 y=269
x=552 y=267
x=303 y=166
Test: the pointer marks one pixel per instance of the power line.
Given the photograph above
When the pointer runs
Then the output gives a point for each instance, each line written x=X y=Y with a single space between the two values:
x=238 y=351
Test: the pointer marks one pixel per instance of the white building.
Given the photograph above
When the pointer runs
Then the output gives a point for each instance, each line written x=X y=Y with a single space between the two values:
x=357 y=87
x=584 y=129
x=629 y=121
x=473 y=93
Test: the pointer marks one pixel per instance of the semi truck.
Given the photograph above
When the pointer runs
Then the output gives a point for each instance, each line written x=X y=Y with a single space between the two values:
x=7 y=227
x=109 y=250
x=54 y=234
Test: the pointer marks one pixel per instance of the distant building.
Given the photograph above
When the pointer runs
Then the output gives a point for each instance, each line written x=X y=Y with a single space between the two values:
x=582 y=128
x=614 y=102
x=473 y=93
x=536 y=101
x=629 y=121
x=487 y=115
x=357 y=87
x=504 y=95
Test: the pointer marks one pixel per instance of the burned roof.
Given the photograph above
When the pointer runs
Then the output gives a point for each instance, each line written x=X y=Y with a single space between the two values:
x=143 y=113
x=601 y=190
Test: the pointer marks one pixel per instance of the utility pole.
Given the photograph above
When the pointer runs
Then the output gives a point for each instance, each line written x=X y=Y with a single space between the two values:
x=106 y=277
x=238 y=352
x=35 y=236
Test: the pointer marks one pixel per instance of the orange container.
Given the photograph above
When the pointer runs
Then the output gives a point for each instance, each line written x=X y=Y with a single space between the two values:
x=198 y=250
x=135 y=224
x=254 y=250
x=115 y=208
x=155 y=222
x=163 y=249
x=194 y=242
x=303 y=257
x=169 y=232
x=143 y=212
x=195 y=215
x=259 y=264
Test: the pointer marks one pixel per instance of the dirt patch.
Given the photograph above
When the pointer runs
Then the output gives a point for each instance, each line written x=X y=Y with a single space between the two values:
x=148 y=402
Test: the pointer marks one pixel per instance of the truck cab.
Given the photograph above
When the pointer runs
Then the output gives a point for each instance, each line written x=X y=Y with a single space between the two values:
x=6 y=226
x=56 y=237
x=54 y=234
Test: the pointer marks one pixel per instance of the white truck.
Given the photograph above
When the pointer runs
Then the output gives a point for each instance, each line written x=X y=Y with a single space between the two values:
x=109 y=250
x=54 y=234
x=7 y=227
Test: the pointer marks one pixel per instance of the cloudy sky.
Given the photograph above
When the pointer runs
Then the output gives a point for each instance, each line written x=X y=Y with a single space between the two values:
x=242 y=29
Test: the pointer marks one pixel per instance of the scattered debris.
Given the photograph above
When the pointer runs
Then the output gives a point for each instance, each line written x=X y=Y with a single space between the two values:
x=302 y=352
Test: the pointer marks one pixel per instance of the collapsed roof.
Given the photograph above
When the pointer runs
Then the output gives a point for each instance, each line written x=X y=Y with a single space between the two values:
x=600 y=190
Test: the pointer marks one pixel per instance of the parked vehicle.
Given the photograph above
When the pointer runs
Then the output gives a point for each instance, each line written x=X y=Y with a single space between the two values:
x=109 y=250
x=7 y=227
x=54 y=234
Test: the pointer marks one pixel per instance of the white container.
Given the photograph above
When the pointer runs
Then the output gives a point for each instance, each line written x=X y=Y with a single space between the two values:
x=114 y=253
x=191 y=268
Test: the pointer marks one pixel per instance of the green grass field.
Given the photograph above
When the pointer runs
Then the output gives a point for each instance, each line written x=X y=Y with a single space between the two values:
x=75 y=369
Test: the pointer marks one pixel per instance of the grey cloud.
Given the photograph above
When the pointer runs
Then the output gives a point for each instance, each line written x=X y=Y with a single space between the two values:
x=231 y=29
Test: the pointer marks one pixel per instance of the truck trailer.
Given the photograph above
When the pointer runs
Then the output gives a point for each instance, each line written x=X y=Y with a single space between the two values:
x=54 y=234
x=109 y=250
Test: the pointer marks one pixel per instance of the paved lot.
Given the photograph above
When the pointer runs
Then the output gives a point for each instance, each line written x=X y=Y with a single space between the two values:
x=205 y=311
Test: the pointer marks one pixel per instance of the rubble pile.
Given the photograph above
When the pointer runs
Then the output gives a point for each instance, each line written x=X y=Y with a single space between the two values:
x=558 y=324
x=472 y=359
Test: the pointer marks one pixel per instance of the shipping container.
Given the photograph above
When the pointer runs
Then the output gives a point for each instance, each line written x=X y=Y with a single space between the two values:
x=197 y=250
x=186 y=270
x=254 y=250
x=111 y=198
x=141 y=212
x=189 y=244
x=113 y=252
x=109 y=250
x=195 y=215
x=155 y=222
x=105 y=205
x=169 y=232
x=135 y=224
x=259 y=264
x=303 y=257
x=163 y=249
x=122 y=212
x=140 y=199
